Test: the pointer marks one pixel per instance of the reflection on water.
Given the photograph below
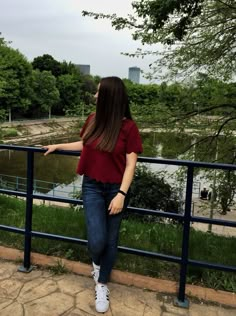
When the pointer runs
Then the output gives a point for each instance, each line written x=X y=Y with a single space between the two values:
x=59 y=170
x=54 y=168
x=165 y=145
x=49 y=171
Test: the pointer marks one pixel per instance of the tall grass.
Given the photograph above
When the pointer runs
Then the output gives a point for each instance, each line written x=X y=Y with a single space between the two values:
x=10 y=132
x=156 y=237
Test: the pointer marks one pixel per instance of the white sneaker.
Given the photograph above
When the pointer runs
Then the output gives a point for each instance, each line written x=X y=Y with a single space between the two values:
x=101 y=298
x=95 y=273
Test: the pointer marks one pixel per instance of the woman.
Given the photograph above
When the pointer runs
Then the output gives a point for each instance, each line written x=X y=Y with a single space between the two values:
x=110 y=144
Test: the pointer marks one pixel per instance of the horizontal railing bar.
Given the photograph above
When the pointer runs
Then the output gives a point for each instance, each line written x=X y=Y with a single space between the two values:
x=12 y=229
x=146 y=253
x=58 y=237
x=80 y=202
x=134 y=209
x=209 y=265
x=130 y=208
x=14 y=183
x=57 y=199
x=43 y=197
x=186 y=163
x=39 y=150
x=144 y=211
x=122 y=249
x=13 y=192
x=220 y=222
x=3 y=175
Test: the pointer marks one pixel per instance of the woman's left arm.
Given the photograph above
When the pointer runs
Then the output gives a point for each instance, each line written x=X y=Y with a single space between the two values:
x=117 y=203
x=131 y=160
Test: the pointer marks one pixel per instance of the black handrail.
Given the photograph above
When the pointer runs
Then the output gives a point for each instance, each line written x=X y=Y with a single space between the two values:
x=185 y=218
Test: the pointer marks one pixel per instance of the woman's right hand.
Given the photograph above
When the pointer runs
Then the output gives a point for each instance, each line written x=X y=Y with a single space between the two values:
x=50 y=149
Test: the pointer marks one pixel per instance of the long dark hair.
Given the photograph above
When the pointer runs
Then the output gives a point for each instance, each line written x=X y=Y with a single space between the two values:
x=112 y=108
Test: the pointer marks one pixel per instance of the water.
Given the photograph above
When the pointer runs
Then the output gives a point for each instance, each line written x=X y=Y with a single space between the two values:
x=57 y=173
x=51 y=171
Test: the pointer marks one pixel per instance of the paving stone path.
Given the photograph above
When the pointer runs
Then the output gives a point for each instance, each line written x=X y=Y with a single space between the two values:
x=40 y=293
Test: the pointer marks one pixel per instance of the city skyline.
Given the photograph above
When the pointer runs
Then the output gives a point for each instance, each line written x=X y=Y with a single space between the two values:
x=133 y=73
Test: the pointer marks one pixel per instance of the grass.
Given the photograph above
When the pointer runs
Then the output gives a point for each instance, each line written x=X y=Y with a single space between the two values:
x=156 y=237
x=58 y=269
x=10 y=132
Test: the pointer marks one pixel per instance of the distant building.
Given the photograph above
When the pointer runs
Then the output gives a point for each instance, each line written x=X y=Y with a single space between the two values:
x=134 y=74
x=84 y=69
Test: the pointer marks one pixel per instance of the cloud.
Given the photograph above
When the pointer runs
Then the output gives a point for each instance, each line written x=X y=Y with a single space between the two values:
x=57 y=27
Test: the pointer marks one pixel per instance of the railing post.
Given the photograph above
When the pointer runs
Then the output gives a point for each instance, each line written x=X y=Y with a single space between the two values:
x=17 y=183
x=28 y=216
x=181 y=301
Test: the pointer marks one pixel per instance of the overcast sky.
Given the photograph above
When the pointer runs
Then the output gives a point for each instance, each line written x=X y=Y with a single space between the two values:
x=56 y=27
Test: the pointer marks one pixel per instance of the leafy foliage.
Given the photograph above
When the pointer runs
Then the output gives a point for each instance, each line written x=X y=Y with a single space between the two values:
x=48 y=63
x=69 y=87
x=45 y=93
x=45 y=85
x=15 y=75
x=197 y=35
x=150 y=191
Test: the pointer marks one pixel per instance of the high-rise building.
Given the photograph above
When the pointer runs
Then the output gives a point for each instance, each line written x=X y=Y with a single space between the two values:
x=84 y=69
x=134 y=74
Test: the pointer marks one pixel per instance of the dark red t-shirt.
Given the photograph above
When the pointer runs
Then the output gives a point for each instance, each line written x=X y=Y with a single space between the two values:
x=109 y=167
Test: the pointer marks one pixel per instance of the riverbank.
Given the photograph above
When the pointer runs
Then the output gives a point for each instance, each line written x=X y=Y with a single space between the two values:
x=30 y=132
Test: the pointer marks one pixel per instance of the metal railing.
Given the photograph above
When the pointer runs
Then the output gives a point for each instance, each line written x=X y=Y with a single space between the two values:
x=187 y=218
x=17 y=183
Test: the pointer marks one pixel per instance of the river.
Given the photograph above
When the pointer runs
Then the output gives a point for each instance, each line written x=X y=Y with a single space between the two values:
x=58 y=172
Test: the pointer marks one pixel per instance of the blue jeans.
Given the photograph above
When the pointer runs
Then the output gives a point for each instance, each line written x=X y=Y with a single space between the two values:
x=102 y=228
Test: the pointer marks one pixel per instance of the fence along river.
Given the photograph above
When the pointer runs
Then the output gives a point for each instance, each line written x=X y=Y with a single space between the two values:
x=55 y=174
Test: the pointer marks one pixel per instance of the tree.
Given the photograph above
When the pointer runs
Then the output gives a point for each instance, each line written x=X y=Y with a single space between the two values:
x=88 y=89
x=69 y=87
x=226 y=190
x=76 y=90
x=45 y=92
x=15 y=75
x=47 y=62
x=197 y=35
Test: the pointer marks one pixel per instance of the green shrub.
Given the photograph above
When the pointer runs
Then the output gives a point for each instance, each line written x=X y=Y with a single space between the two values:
x=10 y=132
x=149 y=190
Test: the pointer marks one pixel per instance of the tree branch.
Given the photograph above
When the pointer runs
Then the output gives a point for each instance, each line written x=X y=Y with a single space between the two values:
x=226 y=4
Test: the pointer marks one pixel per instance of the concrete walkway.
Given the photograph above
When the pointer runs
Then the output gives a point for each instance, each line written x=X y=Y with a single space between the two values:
x=42 y=293
x=202 y=209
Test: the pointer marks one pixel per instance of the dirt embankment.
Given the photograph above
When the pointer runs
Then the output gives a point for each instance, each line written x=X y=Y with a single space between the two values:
x=31 y=132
